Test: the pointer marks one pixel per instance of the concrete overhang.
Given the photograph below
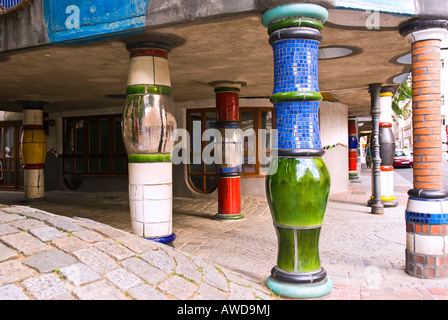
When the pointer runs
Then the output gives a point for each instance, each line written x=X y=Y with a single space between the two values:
x=211 y=40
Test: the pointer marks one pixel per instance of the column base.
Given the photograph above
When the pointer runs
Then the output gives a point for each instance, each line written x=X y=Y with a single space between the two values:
x=300 y=291
x=165 y=240
x=221 y=216
x=386 y=203
x=32 y=200
x=426 y=234
x=150 y=200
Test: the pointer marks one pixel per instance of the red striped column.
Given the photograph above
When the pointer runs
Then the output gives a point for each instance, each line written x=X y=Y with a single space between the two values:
x=427 y=209
x=230 y=169
x=353 y=148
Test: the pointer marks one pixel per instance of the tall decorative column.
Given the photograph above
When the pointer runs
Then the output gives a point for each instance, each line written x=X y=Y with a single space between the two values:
x=298 y=182
x=230 y=169
x=148 y=124
x=427 y=209
x=376 y=203
x=353 y=148
x=34 y=150
x=387 y=148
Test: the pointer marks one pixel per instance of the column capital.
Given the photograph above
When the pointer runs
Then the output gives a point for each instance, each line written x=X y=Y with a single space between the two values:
x=234 y=85
x=415 y=30
x=295 y=10
x=387 y=89
x=148 y=44
x=374 y=87
x=29 y=104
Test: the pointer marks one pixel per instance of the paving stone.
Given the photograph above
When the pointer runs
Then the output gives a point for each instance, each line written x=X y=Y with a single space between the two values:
x=178 y=287
x=22 y=210
x=28 y=224
x=159 y=259
x=46 y=234
x=137 y=244
x=123 y=279
x=187 y=268
x=25 y=243
x=65 y=225
x=49 y=261
x=238 y=292
x=89 y=236
x=31 y=213
x=12 y=292
x=88 y=223
x=214 y=277
x=70 y=244
x=79 y=274
x=7 y=229
x=118 y=252
x=145 y=271
x=95 y=260
x=100 y=290
x=13 y=271
x=146 y=292
x=110 y=232
x=7 y=253
x=46 y=287
x=10 y=217
x=210 y=292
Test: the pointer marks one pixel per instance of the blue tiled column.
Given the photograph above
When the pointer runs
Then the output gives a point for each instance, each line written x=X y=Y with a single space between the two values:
x=298 y=183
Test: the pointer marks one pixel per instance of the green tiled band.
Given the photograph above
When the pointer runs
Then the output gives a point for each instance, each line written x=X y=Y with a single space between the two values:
x=294 y=10
x=145 y=158
x=296 y=96
x=148 y=89
x=296 y=22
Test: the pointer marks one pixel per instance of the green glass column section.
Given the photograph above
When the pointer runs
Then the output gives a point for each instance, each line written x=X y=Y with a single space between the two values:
x=297 y=195
x=298 y=182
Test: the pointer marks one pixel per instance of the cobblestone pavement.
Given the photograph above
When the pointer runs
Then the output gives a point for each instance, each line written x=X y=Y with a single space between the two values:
x=83 y=249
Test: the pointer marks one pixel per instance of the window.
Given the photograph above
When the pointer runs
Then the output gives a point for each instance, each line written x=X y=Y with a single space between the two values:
x=93 y=146
x=253 y=120
x=11 y=166
x=202 y=176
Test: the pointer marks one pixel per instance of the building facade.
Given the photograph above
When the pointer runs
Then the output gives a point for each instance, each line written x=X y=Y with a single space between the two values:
x=121 y=95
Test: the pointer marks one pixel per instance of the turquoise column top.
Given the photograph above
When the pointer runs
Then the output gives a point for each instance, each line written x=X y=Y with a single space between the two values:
x=294 y=10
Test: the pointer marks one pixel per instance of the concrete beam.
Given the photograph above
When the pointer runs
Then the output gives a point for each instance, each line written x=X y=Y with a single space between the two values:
x=24 y=29
x=430 y=9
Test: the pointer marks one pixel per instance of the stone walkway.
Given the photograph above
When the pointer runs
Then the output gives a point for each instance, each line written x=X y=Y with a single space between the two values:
x=45 y=256
x=83 y=249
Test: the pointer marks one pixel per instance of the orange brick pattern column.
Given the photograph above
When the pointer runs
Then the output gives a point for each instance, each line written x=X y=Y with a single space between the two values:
x=427 y=208
x=427 y=115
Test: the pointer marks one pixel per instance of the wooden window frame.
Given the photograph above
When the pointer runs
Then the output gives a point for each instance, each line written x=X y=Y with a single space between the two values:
x=257 y=111
x=204 y=172
x=86 y=154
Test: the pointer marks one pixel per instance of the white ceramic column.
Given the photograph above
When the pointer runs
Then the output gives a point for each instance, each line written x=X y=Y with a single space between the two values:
x=148 y=125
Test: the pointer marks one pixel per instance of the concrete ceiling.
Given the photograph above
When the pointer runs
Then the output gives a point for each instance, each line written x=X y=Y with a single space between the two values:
x=93 y=75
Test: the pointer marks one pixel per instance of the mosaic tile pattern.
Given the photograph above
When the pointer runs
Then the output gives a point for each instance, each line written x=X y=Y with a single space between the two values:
x=297 y=123
x=426 y=218
x=296 y=65
x=296 y=70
